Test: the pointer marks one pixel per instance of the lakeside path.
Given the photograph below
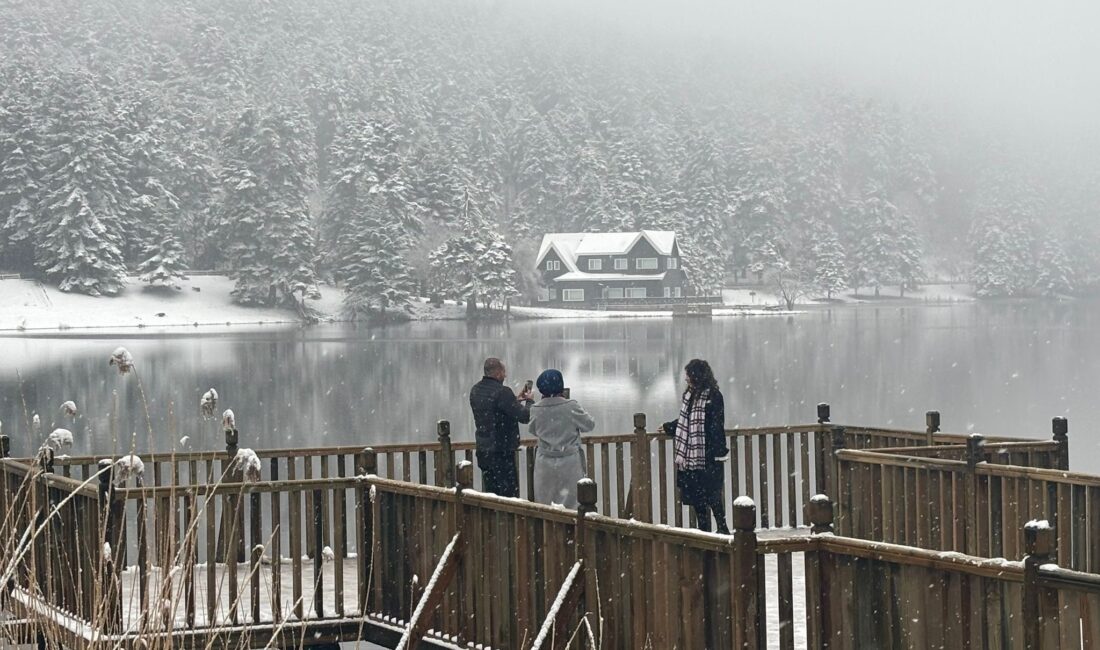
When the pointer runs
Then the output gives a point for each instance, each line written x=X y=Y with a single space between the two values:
x=204 y=301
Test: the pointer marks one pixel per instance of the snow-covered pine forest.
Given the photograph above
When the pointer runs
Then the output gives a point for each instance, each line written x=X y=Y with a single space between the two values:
x=393 y=146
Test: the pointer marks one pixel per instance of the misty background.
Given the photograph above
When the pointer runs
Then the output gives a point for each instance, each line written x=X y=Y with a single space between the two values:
x=392 y=147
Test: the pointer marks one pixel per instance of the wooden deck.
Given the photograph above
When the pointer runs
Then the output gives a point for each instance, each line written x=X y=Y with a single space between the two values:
x=909 y=551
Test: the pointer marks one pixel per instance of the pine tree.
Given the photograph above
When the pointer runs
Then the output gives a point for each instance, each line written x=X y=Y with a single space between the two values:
x=265 y=219
x=1002 y=238
x=1055 y=276
x=476 y=264
x=20 y=177
x=886 y=248
x=82 y=196
x=377 y=275
x=152 y=212
x=827 y=260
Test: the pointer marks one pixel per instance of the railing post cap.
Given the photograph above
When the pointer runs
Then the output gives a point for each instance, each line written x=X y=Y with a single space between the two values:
x=639 y=421
x=744 y=514
x=820 y=511
x=1038 y=538
x=1060 y=427
x=443 y=428
x=823 y=412
x=370 y=460
x=587 y=492
x=464 y=474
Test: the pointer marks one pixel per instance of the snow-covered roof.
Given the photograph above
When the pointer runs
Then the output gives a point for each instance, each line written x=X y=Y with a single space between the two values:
x=579 y=276
x=570 y=245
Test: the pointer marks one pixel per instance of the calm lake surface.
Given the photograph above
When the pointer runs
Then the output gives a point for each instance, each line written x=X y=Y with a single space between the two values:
x=1003 y=368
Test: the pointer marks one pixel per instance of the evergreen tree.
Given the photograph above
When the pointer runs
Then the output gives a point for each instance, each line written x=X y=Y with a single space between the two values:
x=153 y=246
x=1055 y=277
x=20 y=174
x=476 y=264
x=83 y=193
x=886 y=248
x=377 y=275
x=827 y=260
x=265 y=218
x=1002 y=238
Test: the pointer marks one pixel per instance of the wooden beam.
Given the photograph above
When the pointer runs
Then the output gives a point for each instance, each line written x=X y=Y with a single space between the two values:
x=444 y=572
x=553 y=634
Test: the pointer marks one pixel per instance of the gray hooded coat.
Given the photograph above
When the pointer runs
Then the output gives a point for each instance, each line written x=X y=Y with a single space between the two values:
x=558 y=423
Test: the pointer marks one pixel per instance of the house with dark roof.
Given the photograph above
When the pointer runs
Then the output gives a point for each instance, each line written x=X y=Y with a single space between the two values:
x=585 y=269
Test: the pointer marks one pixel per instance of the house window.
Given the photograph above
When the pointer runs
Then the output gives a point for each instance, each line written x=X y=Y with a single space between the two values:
x=553 y=265
x=595 y=265
x=572 y=295
x=668 y=292
x=677 y=292
x=635 y=292
x=621 y=264
x=673 y=263
x=544 y=295
x=648 y=263
x=615 y=293
x=553 y=293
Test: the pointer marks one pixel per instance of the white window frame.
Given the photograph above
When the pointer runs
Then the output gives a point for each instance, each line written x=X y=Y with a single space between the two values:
x=544 y=294
x=673 y=263
x=553 y=293
x=611 y=291
x=668 y=292
x=595 y=264
x=621 y=264
x=677 y=292
x=553 y=265
x=570 y=295
x=632 y=292
x=650 y=264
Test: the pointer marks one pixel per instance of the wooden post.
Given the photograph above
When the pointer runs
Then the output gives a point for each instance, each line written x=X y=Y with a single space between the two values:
x=975 y=453
x=821 y=444
x=831 y=482
x=640 y=474
x=111 y=595
x=1060 y=427
x=823 y=413
x=932 y=426
x=746 y=595
x=445 y=462
x=1040 y=606
x=5 y=447
x=366 y=463
x=819 y=512
x=587 y=497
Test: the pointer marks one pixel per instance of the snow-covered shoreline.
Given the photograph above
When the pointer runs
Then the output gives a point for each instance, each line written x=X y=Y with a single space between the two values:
x=204 y=304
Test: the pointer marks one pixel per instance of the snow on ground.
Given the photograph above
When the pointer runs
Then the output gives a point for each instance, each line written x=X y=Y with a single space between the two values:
x=31 y=306
x=205 y=301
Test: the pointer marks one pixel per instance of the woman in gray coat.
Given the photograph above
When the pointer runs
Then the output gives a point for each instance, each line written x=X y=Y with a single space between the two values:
x=558 y=423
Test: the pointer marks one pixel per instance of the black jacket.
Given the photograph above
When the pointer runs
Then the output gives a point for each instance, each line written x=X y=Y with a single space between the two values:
x=715 y=426
x=497 y=415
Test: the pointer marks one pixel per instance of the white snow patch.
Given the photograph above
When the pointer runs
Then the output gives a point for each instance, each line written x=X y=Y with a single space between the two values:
x=744 y=502
x=128 y=467
x=249 y=464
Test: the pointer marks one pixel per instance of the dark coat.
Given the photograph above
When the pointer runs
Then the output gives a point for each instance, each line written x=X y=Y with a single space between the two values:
x=702 y=486
x=497 y=416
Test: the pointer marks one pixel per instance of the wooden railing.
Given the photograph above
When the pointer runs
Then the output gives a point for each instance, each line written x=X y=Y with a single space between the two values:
x=453 y=566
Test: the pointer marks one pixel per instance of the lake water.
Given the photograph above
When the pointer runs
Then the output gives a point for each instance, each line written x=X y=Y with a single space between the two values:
x=1002 y=368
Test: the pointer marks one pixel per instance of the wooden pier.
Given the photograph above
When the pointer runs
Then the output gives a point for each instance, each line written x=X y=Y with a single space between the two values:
x=923 y=540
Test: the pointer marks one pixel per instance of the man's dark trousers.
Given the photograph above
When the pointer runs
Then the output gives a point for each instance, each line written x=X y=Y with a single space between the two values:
x=499 y=475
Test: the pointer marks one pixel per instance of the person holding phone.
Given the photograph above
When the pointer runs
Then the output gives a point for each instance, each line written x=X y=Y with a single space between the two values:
x=558 y=423
x=498 y=412
x=699 y=445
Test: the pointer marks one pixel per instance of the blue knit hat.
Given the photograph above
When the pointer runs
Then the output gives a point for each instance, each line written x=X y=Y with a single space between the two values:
x=550 y=382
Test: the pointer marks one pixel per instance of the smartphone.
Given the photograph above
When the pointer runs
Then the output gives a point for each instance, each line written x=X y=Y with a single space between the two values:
x=528 y=385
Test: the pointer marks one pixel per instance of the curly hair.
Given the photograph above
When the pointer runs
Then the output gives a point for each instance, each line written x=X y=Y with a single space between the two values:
x=700 y=376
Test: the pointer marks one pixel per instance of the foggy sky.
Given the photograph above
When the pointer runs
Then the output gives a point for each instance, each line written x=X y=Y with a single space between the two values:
x=1027 y=68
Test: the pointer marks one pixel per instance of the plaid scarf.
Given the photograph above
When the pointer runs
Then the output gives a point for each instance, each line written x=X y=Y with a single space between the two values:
x=690 y=444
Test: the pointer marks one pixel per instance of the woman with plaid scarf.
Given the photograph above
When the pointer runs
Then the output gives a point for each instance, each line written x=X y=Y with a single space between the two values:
x=699 y=445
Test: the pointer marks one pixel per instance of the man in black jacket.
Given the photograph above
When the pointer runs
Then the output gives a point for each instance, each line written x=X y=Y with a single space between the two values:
x=498 y=413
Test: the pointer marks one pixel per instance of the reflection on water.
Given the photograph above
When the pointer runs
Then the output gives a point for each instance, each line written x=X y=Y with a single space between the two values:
x=1001 y=368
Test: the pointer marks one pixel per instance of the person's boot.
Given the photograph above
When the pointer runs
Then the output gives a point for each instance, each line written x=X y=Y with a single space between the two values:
x=702 y=519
